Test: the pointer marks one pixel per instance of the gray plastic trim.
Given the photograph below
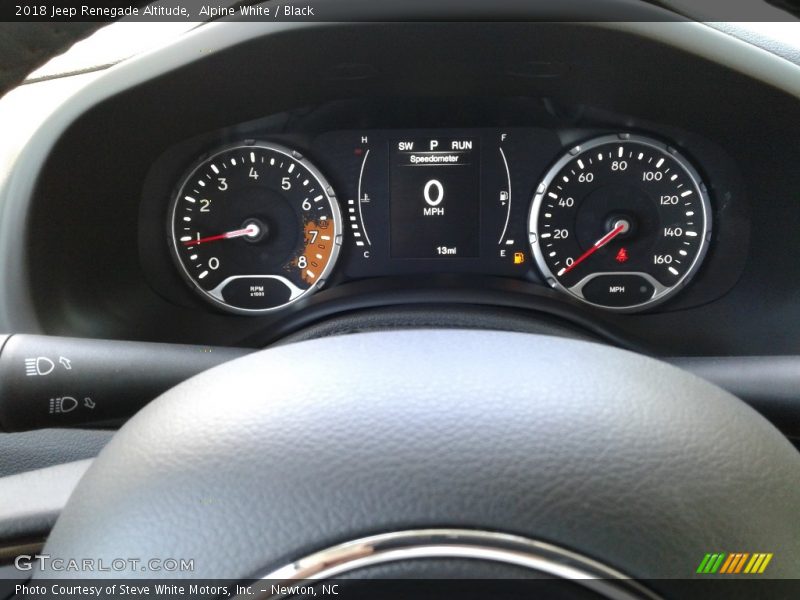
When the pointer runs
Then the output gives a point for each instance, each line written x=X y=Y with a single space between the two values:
x=31 y=502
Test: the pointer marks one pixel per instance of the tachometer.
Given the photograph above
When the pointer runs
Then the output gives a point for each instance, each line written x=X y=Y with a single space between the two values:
x=255 y=227
x=622 y=222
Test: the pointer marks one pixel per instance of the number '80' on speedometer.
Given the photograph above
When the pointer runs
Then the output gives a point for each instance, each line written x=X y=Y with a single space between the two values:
x=621 y=222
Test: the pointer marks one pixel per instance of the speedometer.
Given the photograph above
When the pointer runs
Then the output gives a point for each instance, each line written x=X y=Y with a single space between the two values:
x=621 y=222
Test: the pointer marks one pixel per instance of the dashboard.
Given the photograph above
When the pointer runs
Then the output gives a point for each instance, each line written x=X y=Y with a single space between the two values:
x=234 y=200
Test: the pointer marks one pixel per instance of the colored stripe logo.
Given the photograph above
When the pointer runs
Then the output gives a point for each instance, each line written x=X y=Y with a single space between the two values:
x=734 y=563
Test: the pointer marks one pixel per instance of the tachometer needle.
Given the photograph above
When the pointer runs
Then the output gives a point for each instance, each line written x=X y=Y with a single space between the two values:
x=252 y=230
x=620 y=226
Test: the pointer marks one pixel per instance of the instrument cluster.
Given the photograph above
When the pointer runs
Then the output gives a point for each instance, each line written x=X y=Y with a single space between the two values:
x=617 y=220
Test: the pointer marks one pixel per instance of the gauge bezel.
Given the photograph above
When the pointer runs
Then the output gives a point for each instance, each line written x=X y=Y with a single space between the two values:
x=572 y=154
x=327 y=189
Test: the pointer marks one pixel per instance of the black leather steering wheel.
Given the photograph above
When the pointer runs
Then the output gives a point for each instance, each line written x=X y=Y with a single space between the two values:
x=604 y=458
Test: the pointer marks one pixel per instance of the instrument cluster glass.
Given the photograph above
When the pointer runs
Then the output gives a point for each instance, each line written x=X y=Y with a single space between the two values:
x=255 y=227
x=620 y=221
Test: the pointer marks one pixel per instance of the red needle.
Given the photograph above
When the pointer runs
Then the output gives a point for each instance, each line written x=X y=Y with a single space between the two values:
x=251 y=230
x=619 y=227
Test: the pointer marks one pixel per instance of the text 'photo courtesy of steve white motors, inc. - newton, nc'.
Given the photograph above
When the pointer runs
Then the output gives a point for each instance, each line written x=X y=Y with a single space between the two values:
x=168 y=590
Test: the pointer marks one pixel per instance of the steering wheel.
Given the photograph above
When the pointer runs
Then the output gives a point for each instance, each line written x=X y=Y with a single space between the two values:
x=435 y=451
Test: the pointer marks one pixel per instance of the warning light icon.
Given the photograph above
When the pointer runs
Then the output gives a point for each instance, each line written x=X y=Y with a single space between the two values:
x=519 y=258
x=622 y=255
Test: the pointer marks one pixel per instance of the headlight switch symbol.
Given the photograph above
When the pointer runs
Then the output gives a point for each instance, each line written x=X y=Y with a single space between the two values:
x=62 y=405
x=38 y=366
x=41 y=365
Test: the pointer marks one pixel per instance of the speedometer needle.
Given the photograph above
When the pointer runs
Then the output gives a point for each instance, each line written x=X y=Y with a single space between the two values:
x=252 y=230
x=620 y=226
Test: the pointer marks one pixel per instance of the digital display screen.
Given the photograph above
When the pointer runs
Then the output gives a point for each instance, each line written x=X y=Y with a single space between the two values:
x=434 y=197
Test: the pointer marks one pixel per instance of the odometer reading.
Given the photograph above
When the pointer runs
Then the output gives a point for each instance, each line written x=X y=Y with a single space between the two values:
x=620 y=222
x=255 y=227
